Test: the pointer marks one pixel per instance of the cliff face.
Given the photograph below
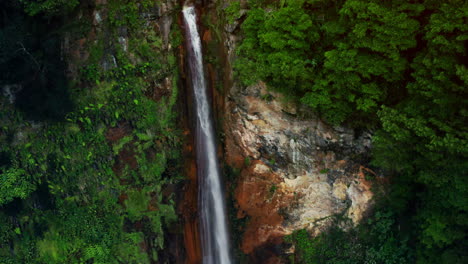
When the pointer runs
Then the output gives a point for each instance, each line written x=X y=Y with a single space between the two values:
x=296 y=171
x=158 y=33
x=158 y=22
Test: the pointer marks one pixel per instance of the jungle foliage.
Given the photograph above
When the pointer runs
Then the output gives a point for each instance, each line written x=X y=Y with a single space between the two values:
x=84 y=161
x=49 y=7
x=372 y=242
x=398 y=68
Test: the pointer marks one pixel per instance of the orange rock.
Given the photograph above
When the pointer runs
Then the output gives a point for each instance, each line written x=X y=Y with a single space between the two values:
x=259 y=198
x=191 y=242
x=207 y=36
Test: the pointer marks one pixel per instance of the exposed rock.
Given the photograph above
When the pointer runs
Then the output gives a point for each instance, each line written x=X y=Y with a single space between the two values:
x=165 y=23
x=97 y=18
x=108 y=62
x=10 y=91
x=296 y=171
x=123 y=38
x=235 y=24
x=257 y=197
x=300 y=171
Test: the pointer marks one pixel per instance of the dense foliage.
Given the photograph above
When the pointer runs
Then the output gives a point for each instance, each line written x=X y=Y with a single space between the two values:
x=48 y=7
x=399 y=68
x=84 y=161
x=372 y=242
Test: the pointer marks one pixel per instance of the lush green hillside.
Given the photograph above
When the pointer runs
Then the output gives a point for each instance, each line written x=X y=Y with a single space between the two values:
x=396 y=67
x=84 y=158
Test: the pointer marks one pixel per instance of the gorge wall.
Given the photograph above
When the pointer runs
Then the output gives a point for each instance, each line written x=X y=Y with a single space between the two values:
x=97 y=153
x=161 y=35
x=295 y=171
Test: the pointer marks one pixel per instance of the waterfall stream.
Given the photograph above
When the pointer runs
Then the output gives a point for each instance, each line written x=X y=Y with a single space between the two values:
x=213 y=227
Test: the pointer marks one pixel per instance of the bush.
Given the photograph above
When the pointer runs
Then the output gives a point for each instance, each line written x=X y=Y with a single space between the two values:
x=49 y=7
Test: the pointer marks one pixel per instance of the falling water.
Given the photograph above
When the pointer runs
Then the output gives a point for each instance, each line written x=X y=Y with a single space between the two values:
x=214 y=234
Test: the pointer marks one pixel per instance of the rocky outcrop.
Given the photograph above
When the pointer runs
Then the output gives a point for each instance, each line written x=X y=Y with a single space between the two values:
x=296 y=172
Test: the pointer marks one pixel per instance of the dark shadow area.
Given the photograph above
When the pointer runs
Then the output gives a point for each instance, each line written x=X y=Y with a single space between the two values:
x=5 y=160
x=30 y=56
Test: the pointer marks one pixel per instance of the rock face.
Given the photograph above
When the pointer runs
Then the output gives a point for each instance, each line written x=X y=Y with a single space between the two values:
x=181 y=246
x=296 y=172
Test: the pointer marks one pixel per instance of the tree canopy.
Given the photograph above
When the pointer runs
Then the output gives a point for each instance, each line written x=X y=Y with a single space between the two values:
x=396 y=67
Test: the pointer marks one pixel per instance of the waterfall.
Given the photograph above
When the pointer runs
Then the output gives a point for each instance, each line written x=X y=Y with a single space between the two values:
x=213 y=227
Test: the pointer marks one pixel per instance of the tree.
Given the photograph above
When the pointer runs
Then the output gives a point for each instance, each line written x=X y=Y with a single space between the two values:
x=276 y=47
x=396 y=66
x=366 y=58
x=424 y=137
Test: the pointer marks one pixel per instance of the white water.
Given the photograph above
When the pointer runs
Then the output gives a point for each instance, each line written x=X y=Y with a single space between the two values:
x=213 y=228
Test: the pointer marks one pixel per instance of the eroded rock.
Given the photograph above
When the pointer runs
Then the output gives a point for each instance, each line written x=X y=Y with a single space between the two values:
x=300 y=171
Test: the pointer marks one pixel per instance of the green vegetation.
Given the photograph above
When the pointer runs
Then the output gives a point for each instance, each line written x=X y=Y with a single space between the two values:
x=233 y=11
x=14 y=184
x=398 y=67
x=84 y=162
x=376 y=241
x=48 y=7
x=237 y=223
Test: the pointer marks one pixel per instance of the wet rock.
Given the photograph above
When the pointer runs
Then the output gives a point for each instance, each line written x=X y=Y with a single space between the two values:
x=97 y=18
x=123 y=38
x=108 y=62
